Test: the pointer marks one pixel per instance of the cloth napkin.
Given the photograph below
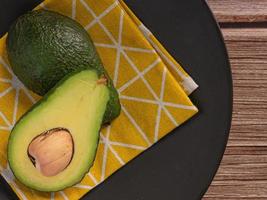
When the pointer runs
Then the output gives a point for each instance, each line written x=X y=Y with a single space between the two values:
x=153 y=90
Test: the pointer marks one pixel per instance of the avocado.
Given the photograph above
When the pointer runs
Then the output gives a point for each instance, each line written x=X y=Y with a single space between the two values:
x=44 y=46
x=54 y=144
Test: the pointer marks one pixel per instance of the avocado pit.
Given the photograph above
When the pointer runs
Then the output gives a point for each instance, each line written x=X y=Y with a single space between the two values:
x=51 y=151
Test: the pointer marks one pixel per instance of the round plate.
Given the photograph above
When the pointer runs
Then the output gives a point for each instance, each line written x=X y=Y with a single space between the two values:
x=183 y=164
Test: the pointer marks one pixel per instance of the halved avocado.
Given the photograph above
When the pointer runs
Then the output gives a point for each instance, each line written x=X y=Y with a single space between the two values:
x=54 y=144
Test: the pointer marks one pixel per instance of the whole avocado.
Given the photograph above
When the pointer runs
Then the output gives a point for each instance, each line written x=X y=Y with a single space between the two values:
x=43 y=46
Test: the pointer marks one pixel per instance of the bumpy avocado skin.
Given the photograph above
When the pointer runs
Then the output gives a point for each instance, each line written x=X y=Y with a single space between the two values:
x=44 y=46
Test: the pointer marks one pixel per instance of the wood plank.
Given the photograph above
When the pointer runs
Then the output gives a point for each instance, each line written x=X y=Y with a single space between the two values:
x=249 y=71
x=228 y=11
x=243 y=171
x=247 y=35
x=238 y=190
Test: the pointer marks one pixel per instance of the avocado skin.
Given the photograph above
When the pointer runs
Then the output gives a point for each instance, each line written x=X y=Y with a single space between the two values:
x=44 y=46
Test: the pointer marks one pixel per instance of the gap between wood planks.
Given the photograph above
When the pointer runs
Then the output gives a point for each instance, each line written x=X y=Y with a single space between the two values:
x=238 y=11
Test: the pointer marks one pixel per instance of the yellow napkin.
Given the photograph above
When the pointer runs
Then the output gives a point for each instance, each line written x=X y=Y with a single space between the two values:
x=146 y=76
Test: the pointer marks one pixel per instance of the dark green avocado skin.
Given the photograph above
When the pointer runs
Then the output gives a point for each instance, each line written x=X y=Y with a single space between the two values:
x=44 y=46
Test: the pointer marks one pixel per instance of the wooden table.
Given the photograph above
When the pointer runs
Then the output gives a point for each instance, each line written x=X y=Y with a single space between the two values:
x=243 y=171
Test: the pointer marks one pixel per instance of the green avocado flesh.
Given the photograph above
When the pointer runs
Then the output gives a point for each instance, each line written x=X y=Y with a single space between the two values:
x=76 y=104
x=44 y=46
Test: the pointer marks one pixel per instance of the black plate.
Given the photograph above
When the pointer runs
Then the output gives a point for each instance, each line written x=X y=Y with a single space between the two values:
x=182 y=165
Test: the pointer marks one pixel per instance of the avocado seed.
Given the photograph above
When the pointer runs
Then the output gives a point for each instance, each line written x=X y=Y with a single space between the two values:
x=51 y=152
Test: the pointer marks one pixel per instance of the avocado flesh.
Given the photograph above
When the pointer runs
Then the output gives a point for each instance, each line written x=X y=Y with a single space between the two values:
x=44 y=46
x=77 y=104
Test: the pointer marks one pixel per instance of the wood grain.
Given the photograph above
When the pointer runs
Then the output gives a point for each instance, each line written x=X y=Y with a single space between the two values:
x=239 y=10
x=243 y=171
